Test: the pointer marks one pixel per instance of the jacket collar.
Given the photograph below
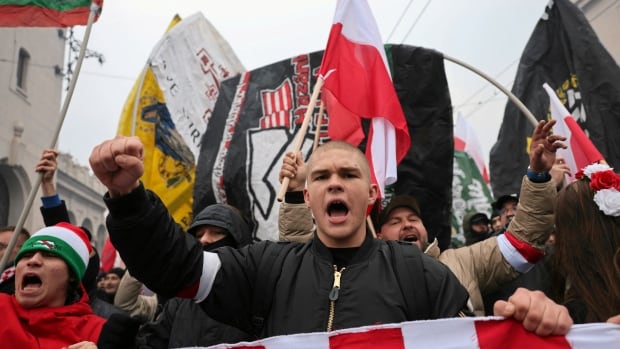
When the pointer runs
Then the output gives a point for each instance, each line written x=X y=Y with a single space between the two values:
x=324 y=253
x=433 y=249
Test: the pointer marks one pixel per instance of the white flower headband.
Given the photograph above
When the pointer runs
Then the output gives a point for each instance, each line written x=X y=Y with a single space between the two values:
x=606 y=186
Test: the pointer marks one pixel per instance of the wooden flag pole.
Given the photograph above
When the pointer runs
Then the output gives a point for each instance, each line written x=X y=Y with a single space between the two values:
x=316 y=144
x=371 y=226
x=302 y=132
x=94 y=9
x=319 y=121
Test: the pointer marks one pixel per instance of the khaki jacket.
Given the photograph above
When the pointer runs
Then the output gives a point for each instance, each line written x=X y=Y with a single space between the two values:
x=480 y=267
x=129 y=298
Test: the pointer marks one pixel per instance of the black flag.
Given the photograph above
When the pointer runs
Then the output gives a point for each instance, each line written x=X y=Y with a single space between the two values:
x=426 y=172
x=257 y=117
x=565 y=52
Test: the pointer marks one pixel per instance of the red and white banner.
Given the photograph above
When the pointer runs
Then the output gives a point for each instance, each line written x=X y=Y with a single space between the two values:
x=358 y=85
x=466 y=333
x=580 y=152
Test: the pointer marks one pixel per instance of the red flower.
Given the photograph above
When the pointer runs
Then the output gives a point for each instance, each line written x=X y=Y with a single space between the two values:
x=579 y=174
x=604 y=180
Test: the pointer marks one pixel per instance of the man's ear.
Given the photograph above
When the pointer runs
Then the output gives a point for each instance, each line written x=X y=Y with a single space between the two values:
x=306 y=197
x=372 y=194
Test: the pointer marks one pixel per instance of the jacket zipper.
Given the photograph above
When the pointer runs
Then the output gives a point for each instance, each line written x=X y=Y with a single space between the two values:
x=333 y=297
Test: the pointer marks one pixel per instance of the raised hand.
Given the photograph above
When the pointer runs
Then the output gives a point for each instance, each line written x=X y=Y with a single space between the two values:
x=47 y=166
x=543 y=146
x=294 y=168
x=117 y=163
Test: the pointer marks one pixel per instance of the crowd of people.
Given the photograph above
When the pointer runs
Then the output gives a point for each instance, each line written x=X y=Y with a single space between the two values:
x=547 y=257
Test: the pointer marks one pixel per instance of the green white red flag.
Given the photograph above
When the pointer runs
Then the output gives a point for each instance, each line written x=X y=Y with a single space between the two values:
x=46 y=13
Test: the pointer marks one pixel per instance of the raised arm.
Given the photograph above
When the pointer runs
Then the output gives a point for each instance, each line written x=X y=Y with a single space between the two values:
x=129 y=298
x=154 y=248
x=53 y=209
x=534 y=219
x=484 y=266
x=294 y=219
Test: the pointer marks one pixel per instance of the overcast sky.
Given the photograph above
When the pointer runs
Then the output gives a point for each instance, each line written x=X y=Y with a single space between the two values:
x=487 y=34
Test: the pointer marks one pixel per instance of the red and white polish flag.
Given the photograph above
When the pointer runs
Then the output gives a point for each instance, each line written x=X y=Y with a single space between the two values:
x=358 y=85
x=465 y=140
x=110 y=258
x=465 y=333
x=580 y=152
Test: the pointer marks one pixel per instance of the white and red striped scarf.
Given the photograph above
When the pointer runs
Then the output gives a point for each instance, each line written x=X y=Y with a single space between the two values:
x=469 y=333
x=7 y=274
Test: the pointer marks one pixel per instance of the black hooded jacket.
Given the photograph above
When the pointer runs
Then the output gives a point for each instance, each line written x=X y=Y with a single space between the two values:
x=225 y=217
x=182 y=322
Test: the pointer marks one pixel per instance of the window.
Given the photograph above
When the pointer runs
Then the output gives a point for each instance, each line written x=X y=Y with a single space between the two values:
x=22 y=68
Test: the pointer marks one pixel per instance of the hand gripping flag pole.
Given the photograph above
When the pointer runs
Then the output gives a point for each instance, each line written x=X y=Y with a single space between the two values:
x=302 y=131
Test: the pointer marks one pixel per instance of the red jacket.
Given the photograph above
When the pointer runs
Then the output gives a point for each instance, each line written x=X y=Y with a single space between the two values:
x=53 y=328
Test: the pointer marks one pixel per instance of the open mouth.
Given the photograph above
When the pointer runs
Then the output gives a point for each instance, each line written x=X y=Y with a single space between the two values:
x=30 y=281
x=337 y=209
x=410 y=238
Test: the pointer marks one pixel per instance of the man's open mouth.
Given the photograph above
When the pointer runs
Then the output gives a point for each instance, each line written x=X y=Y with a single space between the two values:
x=410 y=238
x=337 y=209
x=31 y=280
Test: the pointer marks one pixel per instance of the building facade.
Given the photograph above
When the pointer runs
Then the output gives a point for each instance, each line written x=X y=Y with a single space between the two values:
x=31 y=72
x=604 y=17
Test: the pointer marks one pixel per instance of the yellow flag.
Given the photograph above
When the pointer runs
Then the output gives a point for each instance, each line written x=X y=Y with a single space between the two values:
x=169 y=167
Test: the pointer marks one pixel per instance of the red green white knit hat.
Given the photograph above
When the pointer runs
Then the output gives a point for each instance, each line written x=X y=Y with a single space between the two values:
x=65 y=240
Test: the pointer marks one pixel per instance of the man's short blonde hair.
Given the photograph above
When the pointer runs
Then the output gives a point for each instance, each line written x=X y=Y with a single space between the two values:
x=341 y=145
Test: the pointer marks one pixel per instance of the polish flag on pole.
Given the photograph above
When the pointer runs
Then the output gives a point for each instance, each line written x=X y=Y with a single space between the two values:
x=580 y=152
x=463 y=333
x=110 y=258
x=465 y=140
x=358 y=85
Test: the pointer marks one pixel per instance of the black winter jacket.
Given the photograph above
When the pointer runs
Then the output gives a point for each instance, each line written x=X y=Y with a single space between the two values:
x=168 y=262
x=182 y=323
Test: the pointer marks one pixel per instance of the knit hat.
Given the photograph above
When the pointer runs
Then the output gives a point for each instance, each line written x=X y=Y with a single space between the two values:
x=65 y=240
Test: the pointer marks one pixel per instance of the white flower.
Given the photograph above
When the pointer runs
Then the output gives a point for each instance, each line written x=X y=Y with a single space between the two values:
x=608 y=201
x=590 y=169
